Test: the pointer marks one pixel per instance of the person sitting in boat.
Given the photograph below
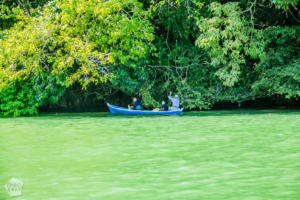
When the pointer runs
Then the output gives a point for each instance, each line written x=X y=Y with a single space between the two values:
x=164 y=106
x=175 y=102
x=136 y=105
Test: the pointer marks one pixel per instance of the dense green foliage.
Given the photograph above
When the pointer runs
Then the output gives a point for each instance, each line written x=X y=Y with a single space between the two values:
x=206 y=51
x=227 y=39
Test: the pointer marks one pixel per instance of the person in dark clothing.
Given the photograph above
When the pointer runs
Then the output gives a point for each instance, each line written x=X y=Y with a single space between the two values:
x=136 y=105
x=164 y=106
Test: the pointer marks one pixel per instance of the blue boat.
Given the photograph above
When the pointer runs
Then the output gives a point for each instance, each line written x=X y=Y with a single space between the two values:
x=126 y=111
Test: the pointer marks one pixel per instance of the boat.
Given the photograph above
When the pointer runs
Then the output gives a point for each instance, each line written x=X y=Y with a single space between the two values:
x=127 y=111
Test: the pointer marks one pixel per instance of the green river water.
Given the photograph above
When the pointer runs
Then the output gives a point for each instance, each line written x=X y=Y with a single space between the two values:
x=219 y=155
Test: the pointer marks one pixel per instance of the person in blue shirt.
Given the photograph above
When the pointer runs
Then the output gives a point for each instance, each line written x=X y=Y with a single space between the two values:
x=175 y=102
x=164 y=106
x=136 y=105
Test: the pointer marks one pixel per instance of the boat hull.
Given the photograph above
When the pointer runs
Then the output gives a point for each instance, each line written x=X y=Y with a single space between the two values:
x=125 y=111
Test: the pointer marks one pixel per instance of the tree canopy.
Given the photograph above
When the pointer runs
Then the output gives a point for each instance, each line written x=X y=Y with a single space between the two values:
x=205 y=51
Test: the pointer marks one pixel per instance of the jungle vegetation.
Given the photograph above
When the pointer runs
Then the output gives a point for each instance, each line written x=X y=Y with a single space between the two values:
x=204 y=50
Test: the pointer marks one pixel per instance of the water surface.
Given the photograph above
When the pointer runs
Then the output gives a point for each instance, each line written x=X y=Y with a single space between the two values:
x=242 y=154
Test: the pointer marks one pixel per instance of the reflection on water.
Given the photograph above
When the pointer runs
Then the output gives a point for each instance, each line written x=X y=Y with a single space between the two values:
x=200 y=155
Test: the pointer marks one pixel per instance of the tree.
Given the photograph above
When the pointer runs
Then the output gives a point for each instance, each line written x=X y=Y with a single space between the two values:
x=229 y=40
x=72 y=42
